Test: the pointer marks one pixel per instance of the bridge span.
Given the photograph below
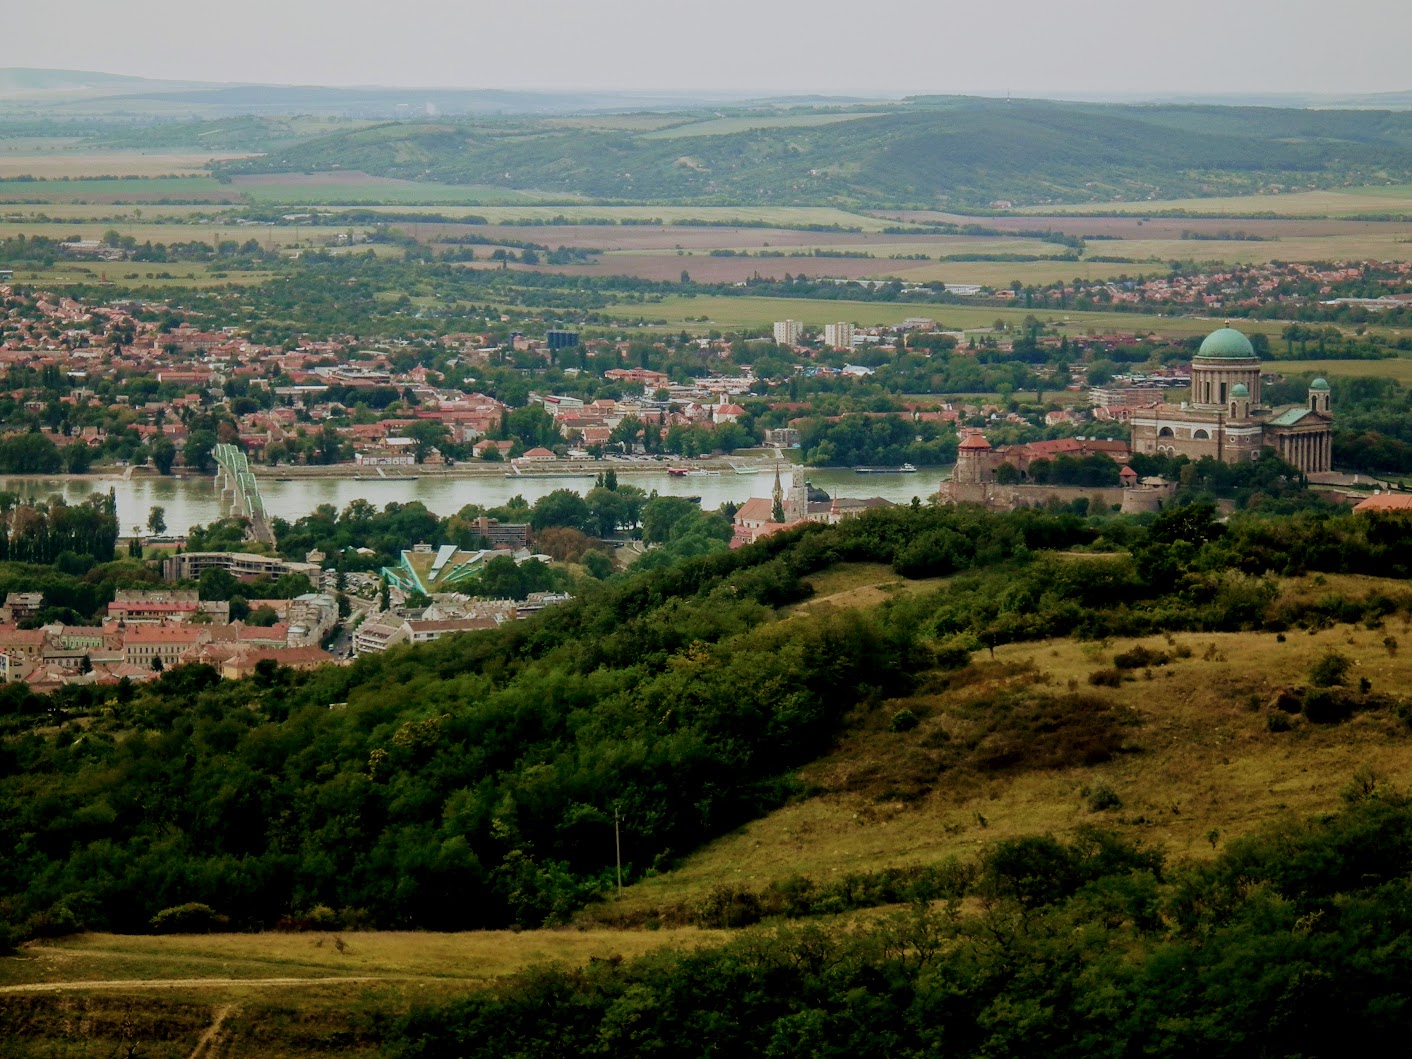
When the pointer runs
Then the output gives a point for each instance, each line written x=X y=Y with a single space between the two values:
x=240 y=492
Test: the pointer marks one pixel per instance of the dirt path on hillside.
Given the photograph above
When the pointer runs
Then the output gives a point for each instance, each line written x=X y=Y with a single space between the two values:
x=211 y=1039
x=191 y=983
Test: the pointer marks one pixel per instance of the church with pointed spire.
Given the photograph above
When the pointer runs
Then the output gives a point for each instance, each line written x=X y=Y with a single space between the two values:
x=1226 y=419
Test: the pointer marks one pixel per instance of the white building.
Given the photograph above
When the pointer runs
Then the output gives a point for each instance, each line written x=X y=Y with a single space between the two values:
x=374 y=636
x=788 y=332
x=839 y=335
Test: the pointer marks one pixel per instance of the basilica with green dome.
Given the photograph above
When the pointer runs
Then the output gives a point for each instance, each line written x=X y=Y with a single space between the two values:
x=1226 y=419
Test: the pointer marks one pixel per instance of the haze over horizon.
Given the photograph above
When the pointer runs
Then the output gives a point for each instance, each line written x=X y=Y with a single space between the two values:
x=1083 y=49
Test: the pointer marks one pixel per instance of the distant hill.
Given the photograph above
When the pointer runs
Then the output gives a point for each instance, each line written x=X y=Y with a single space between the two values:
x=23 y=81
x=84 y=93
x=946 y=151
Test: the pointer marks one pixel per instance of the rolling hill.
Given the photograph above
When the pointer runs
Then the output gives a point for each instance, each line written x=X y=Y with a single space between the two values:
x=955 y=152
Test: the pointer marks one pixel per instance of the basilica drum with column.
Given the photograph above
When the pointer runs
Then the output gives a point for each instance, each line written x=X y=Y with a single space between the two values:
x=1225 y=419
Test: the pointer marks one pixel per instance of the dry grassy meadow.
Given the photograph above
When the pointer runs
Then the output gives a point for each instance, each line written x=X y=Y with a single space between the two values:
x=1193 y=751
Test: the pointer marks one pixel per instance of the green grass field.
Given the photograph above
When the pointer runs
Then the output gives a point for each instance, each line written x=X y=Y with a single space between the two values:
x=731 y=312
x=1398 y=368
x=785 y=216
x=318 y=189
x=130 y=274
x=1003 y=273
x=59 y=158
x=133 y=190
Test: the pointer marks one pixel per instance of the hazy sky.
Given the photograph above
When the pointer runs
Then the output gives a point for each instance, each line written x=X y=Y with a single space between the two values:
x=1031 y=47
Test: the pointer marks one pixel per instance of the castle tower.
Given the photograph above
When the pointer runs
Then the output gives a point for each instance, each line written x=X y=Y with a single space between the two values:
x=972 y=466
x=1319 y=396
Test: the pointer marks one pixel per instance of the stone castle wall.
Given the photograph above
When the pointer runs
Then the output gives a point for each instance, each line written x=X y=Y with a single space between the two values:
x=1012 y=497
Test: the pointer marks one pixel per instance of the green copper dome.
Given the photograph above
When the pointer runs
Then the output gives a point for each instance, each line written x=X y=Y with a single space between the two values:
x=1240 y=390
x=1226 y=344
x=1319 y=384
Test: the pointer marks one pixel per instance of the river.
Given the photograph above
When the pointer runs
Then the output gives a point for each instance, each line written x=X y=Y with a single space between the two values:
x=194 y=501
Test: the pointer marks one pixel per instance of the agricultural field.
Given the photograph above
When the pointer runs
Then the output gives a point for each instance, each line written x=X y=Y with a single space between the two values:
x=1371 y=200
x=1380 y=246
x=62 y=159
x=112 y=213
x=704 y=268
x=785 y=216
x=266 y=234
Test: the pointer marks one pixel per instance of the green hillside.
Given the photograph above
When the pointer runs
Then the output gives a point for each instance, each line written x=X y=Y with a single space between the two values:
x=1119 y=779
x=492 y=765
x=928 y=152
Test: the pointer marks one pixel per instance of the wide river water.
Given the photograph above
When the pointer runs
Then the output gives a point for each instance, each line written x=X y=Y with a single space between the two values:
x=194 y=501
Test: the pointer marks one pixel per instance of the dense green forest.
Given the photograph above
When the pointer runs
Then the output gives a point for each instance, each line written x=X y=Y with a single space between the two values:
x=1293 y=942
x=473 y=782
x=958 y=151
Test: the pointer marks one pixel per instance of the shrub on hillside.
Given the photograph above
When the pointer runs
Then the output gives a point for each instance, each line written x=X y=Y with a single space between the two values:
x=1327 y=706
x=903 y=721
x=1102 y=798
x=1141 y=657
x=1330 y=671
x=190 y=918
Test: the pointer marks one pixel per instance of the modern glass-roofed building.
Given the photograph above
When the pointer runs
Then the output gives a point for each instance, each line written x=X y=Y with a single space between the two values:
x=430 y=570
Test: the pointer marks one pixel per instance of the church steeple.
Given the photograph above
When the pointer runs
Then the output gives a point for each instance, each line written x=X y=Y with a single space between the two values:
x=777 y=512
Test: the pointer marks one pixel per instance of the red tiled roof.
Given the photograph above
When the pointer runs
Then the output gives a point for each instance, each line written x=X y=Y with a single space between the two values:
x=1386 y=502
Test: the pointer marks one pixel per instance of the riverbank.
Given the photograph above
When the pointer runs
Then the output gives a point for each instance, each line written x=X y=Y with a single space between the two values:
x=194 y=500
x=519 y=469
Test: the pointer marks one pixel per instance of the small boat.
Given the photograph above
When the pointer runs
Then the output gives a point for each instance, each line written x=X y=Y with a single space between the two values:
x=906 y=468
x=679 y=472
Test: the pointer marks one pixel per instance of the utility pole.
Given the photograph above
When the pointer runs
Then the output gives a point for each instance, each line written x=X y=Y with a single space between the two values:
x=618 y=845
